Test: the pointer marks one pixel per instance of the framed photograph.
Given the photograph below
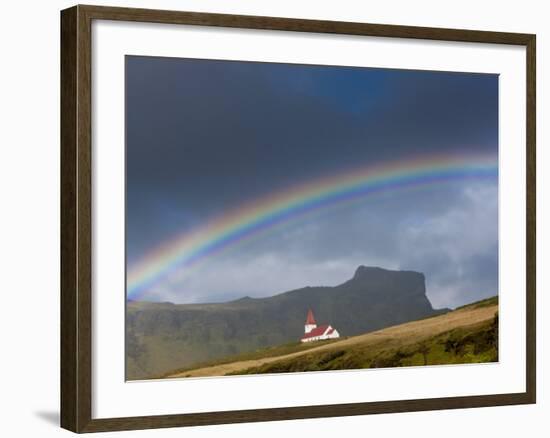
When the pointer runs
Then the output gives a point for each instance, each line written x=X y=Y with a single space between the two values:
x=271 y=218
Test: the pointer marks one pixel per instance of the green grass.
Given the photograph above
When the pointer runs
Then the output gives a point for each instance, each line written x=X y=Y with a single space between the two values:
x=279 y=350
x=473 y=344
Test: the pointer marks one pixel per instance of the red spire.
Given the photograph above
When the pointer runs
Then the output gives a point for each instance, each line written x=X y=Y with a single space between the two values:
x=310 y=319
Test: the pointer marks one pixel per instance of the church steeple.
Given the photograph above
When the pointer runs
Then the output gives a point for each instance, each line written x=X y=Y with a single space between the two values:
x=310 y=322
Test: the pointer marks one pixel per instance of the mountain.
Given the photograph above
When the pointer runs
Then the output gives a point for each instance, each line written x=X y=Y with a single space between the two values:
x=163 y=336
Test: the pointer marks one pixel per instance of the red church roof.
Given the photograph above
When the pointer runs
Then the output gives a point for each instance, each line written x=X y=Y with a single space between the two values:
x=310 y=319
x=318 y=331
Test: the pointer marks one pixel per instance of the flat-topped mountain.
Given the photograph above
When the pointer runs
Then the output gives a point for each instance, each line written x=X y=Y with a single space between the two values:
x=163 y=336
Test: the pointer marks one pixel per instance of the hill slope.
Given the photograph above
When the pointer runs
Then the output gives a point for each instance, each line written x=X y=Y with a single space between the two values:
x=163 y=336
x=466 y=335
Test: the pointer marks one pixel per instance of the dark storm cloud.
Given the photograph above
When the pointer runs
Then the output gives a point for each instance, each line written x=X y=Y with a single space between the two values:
x=203 y=136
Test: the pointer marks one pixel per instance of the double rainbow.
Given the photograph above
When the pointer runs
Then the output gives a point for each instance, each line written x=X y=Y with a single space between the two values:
x=252 y=218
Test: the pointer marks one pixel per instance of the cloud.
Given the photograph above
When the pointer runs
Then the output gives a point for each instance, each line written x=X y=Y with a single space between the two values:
x=448 y=233
x=458 y=249
x=205 y=136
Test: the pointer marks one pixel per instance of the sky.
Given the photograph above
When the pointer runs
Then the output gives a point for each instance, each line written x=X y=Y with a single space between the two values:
x=204 y=137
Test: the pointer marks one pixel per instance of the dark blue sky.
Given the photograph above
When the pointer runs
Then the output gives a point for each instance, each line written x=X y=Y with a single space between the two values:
x=204 y=136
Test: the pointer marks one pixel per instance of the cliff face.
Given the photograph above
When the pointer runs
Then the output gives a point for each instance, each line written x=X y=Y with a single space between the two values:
x=163 y=336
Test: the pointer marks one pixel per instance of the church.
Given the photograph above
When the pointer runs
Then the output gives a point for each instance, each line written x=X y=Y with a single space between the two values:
x=317 y=333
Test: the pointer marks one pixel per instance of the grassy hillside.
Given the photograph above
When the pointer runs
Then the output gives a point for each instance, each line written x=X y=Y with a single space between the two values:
x=262 y=353
x=466 y=335
x=475 y=344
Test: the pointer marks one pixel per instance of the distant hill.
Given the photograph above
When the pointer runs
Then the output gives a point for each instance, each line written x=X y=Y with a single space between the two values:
x=164 y=336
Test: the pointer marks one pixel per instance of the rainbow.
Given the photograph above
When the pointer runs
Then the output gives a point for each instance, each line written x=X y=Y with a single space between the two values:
x=256 y=216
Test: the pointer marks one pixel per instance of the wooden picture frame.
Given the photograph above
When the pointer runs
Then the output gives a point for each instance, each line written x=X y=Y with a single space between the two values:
x=76 y=218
